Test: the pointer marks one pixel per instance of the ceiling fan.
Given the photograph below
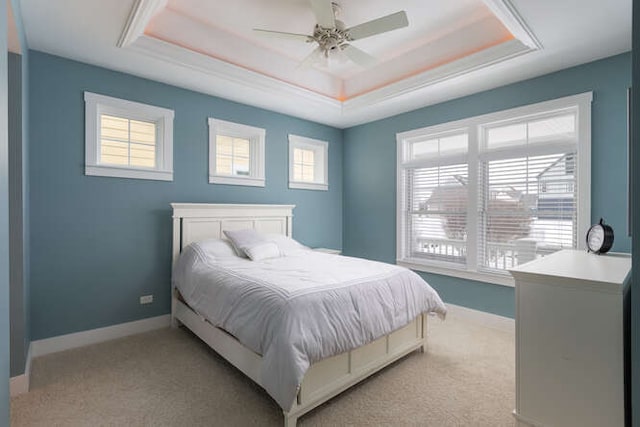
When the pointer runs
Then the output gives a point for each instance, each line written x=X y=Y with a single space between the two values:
x=333 y=38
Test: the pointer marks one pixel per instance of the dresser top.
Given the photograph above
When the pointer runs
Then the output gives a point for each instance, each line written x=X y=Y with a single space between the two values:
x=580 y=265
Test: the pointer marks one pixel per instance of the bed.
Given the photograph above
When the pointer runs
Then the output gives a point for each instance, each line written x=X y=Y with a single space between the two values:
x=299 y=380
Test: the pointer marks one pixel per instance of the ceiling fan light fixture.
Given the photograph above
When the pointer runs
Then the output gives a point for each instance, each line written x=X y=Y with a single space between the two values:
x=333 y=37
x=329 y=38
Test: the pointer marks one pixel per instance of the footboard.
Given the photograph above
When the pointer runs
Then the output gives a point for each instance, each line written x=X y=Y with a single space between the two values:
x=324 y=379
x=329 y=377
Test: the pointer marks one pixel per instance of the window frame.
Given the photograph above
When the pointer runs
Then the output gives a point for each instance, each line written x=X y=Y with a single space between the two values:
x=319 y=147
x=256 y=137
x=476 y=127
x=96 y=105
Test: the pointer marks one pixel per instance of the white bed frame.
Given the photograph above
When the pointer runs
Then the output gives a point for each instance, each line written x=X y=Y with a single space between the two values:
x=323 y=380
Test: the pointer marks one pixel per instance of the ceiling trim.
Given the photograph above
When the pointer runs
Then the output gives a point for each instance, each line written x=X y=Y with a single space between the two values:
x=240 y=84
x=226 y=71
x=506 y=12
x=250 y=87
x=468 y=64
x=141 y=13
x=264 y=88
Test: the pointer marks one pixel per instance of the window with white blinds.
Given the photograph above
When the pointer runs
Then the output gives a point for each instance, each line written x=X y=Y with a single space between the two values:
x=232 y=155
x=436 y=176
x=127 y=139
x=482 y=195
x=236 y=153
x=308 y=163
x=126 y=142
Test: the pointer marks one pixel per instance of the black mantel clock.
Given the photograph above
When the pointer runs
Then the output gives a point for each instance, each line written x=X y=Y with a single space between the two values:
x=599 y=238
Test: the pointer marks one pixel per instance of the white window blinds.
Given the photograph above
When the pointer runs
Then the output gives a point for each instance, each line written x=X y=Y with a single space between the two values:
x=436 y=178
x=492 y=192
x=304 y=165
x=232 y=155
x=236 y=153
x=438 y=212
x=127 y=142
x=308 y=163
x=126 y=139
x=527 y=205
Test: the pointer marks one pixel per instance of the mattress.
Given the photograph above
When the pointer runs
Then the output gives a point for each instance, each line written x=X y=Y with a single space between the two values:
x=300 y=308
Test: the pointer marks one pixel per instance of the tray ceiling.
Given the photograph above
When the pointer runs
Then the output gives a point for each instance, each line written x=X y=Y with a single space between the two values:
x=449 y=49
x=457 y=30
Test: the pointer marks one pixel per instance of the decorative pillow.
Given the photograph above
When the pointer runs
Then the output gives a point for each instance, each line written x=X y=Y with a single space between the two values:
x=217 y=247
x=262 y=251
x=241 y=239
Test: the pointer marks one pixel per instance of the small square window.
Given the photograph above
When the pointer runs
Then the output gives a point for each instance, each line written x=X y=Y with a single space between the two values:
x=236 y=154
x=127 y=139
x=308 y=163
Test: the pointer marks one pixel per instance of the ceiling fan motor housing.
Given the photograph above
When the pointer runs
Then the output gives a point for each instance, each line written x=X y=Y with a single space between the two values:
x=333 y=36
x=330 y=38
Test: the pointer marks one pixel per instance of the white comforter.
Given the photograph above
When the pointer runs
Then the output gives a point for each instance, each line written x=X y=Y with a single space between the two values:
x=301 y=308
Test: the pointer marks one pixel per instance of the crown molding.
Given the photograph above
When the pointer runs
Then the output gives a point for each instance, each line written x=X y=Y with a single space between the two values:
x=240 y=84
x=141 y=13
x=506 y=12
x=227 y=72
x=468 y=64
x=250 y=87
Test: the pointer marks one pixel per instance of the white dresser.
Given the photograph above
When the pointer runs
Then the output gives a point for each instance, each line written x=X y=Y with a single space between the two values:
x=570 y=311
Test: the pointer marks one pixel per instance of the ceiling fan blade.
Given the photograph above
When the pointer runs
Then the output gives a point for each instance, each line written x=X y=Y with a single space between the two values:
x=324 y=13
x=311 y=59
x=283 y=35
x=380 y=25
x=358 y=56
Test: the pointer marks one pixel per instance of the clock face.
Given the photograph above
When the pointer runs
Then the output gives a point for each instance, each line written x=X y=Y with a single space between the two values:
x=595 y=238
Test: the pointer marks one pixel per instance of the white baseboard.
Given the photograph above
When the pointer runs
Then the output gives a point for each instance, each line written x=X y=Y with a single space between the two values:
x=20 y=383
x=483 y=318
x=521 y=421
x=93 y=336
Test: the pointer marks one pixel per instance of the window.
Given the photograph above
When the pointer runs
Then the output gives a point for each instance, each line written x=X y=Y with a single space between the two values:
x=308 y=163
x=236 y=154
x=485 y=194
x=127 y=139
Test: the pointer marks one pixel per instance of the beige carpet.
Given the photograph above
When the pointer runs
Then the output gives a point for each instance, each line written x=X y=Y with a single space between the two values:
x=170 y=378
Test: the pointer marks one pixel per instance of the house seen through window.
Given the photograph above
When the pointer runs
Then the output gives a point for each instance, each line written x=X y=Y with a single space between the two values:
x=486 y=194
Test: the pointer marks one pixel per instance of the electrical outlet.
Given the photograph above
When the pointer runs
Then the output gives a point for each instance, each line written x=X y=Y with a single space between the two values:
x=146 y=299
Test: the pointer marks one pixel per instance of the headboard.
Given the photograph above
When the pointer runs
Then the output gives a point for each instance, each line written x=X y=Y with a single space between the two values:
x=198 y=221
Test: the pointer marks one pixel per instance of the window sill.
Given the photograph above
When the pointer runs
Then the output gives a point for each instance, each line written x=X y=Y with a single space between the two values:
x=121 y=172
x=234 y=180
x=494 y=279
x=308 y=186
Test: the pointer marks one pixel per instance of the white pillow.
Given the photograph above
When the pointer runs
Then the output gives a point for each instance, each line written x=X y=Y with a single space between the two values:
x=286 y=244
x=241 y=239
x=263 y=250
x=217 y=248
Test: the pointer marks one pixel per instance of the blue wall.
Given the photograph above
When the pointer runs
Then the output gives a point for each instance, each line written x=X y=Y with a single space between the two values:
x=369 y=158
x=97 y=243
